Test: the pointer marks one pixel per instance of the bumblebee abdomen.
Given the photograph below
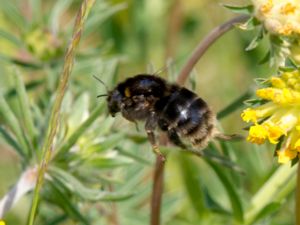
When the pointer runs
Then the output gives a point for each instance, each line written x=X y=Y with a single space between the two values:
x=189 y=115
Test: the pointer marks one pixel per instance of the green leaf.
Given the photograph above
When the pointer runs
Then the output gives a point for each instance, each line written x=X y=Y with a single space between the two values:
x=248 y=9
x=32 y=85
x=13 y=14
x=13 y=123
x=79 y=131
x=250 y=24
x=267 y=211
x=133 y=156
x=290 y=65
x=10 y=60
x=100 y=14
x=56 y=12
x=234 y=198
x=36 y=10
x=57 y=220
x=251 y=102
x=31 y=130
x=277 y=187
x=193 y=185
x=76 y=187
x=254 y=43
x=80 y=111
x=212 y=204
x=108 y=161
x=266 y=58
x=11 y=141
x=262 y=81
x=235 y=105
x=57 y=194
x=11 y=38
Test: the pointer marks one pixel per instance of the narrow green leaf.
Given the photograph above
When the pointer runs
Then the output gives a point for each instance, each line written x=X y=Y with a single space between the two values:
x=102 y=13
x=234 y=198
x=254 y=43
x=266 y=58
x=267 y=211
x=11 y=38
x=212 y=155
x=55 y=15
x=76 y=187
x=133 y=156
x=61 y=199
x=36 y=10
x=110 y=142
x=193 y=185
x=250 y=24
x=11 y=141
x=251 y=102
x=108 y=162
x=13 y=14
x=25 y=108
x=79 y=131
x=248 y=9
x=80 y=114
x=212 y=204
x=277 y=187
x=13 y=123
x=57 y=220
x=28 y=86
x=236 y=104
x=10 y=60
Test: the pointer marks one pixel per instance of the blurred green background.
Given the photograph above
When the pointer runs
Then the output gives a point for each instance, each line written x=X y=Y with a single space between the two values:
x=121 y=39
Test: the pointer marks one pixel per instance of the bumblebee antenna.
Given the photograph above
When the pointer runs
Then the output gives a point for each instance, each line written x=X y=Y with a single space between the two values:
x=98 y=79
x=99 y=96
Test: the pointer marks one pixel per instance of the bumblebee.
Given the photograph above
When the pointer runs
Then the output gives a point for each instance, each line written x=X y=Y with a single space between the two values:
x=175 y=110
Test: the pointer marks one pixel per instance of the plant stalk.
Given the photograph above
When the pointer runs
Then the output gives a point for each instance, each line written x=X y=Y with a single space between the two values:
x=157 y=190
x=48 y=145
x=205 y=44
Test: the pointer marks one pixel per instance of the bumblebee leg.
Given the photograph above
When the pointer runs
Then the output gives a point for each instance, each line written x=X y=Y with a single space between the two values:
x=150 y=126
x=174 y=138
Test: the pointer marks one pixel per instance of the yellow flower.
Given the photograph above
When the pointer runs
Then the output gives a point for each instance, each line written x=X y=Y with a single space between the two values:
x=278 y=116
x=257 y=134
x=280 y=17
x=274 y=132
x=286 y=155
x=253 y=115
x=249 y=115
x=2 y=222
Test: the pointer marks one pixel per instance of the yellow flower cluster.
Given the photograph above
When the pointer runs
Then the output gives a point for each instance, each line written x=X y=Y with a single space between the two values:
x=2 y=222
x=279 y=16
x=279 y=116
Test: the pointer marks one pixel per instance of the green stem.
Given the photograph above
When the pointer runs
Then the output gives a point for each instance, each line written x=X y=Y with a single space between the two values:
x=297 y=204
x=48 y=146
x=275 y=189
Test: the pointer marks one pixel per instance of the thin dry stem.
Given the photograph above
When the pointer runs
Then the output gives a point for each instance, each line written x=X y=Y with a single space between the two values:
x=205 y=44
x=158 y=183
x=54 y=119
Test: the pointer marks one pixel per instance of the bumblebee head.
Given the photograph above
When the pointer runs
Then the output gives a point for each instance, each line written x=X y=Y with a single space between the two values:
x=114 y=100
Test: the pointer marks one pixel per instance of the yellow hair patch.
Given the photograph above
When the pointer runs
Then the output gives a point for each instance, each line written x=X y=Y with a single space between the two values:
x=127 y=92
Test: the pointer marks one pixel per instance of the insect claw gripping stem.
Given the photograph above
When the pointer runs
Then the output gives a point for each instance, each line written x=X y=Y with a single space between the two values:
x=156 y=150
